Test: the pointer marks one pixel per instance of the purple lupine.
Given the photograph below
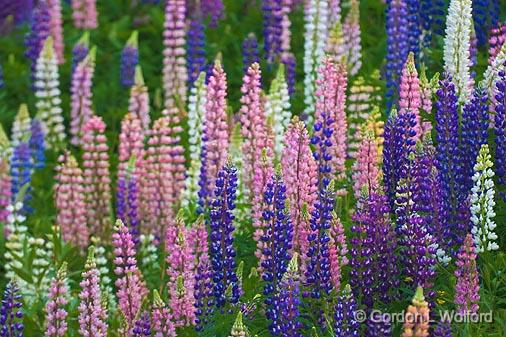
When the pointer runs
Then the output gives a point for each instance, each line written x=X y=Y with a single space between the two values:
x=142 y=327
x=397 y=47
x=37 y=145
x=80 y=50
x=203 y=286
x=222 y=252
x=273 y=15
x=485 y=16
x=129 y=60
x=277 y=238
x=414 y=26
x=39 y=32
x=432 y=14
x=442 y=329
x=474 y=133
x=250 y=52
x=448 y=160
x=288 y=59
x=11 y=314
x=21 y=166
x=21 y=10
x=500 y=129
x=345 y=322
x=127 y=203
x=215 y=9
x=289 y=301
x=196 y=52
x=374 y=273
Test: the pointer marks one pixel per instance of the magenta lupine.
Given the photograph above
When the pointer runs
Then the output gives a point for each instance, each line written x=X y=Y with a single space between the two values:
x=130 y=287
x=56 y=314
x=331 y=98
x=81 y=105
x=56 y=28
x=366 y=172
x=138 y=103
x=97 y=181
x=92 y=314
x=181 y=272
x=299 y=174
x=215 y=138
x=175 y=74
x=496 y=41
x=131 y=143
x=337 y=250
x=410 y=93
x=467 y=287
x=162 y=318
x=84 y=14
x=69 y=195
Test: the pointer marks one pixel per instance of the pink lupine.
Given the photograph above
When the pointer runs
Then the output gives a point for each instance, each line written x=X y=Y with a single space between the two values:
x=97 y=180
x=410 y=93
x=162 y=318
x=426 y=101
x=331 y=98
x=165 y=172
x=352 y=41
x=337 y=251
x=70 y=202
x=131 y=143
x=334 y=12
x=496 y=41
x=5 y=189
x=300 y=176
x=84 y=14
x=467 y=288
x=130 y=287
x=92 y=315
x=81 y=95
x=366 y=172
x=56 y=28
x=216 y=134
x=138 y=103
x=181 y=272
x=56 y=315
x=174 y=62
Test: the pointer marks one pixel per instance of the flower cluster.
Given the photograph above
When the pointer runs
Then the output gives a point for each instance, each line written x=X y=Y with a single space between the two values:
x=56 y=28
x=56 y=314
x=496 y=41
x=500 y=128
x=250 y=51
x=21 y=128
x=215 y=8
x=273 y=16
x=468 y=286
x=203 y=285
x=39 y=32
x=80 y=50
x=11 y=313
x=366 y=171
x=416 y=322
x=351 y=36
x=277 y=108
x=21 y=167
x=162 y=318
x=410 y=93
x=138 y=102
x=485 y=16
x=345 y=322
x=196 y=53
x=84 y=14
x=37 y=145
x=129 y=61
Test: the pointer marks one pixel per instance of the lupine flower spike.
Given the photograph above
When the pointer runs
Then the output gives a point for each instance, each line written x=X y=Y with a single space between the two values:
x=346 y=324
x=337 y=250
x=215 y=9
x=11 y=313
x=56 y=314
x=129 y=60
x=196 y=52
x=203 y=283
x=277 y=108
x=138 y=103
x=366 y=172
x=21 y=128
x=500 y=129
x=80 y=50
x=162 y=318
x=21 y=165
x=250 y=51
x=468 y=286
x=56 y=28
x=239 y=329
x=496 y=41
x=37 y=145
x=410 y=94
x=352 y=41
x=416 y=323
x=39 y=32
x=84 y=14
x=5 y=178
x=273 y=16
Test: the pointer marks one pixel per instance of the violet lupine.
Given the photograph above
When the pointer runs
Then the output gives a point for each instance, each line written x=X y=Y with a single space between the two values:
x=410 y=93
x=203 y=275
x=21 y=167
x=277 y=239
x=215 y=135
x=345 y=321
x=69 y=198
x=500 y=129
x=84 y=14
x=374 y=272
x=11 y=312
x=216 y=10
x=162 y=324
x=414 y=26
x=142 y=326
x=127 y=201
x=129 y=61
x=496 y=41
x=129 y=284
x=37 y=145
x=56 y=314
x=97 y=181
x=38 y=34
x=222 y=252
x=56 y=28
x=48 y=102
x=366 y=172
x=250 y=52
x=352 y=41
x=289 y=61
x=416 y=322
x=92 y=313
x=138 y=102
x=181 y=272
x=273 y=16
x=174 y=72
x=300 y=175
x=397 y=47
x=21 y=127
x=468 y=286
x=442 y=329
x=196 y=53
x=81 y=110
x=485 y=16
x=80 y=50
x=337 y=250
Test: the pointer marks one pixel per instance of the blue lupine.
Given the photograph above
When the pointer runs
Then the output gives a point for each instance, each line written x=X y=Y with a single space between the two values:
x=127 y=204
x=485 y=17
x=432 y=16
x=290 y=63
x=80 y=50
x=500 y=129
x=289 y=302
x=196 y=53
x=442 y=330
x=37 y=144
x=21 y=174
x=142 y=326
x=39 y=32
x=129 y=60
x=414 y=26
x=11 y=314
x=222 y=251
x=345 y=322
x=20 y=10
x=273 y=16
x=277 y=242
x=250 y=52
x=397 y=47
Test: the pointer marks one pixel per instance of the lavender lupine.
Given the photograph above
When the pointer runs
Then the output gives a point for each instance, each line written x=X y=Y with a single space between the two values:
x=84 y=14
x=222 y=251
x=39 y=32
x=92 y=313
x=216 y=10
x=352 y=41
x=56 y=314
x=467 y=288
x=21 y=166
x=37 y=145
x=162 y=324
x=127 y=201
x=345 y=321
x=129 y=61
x=11 y=312
x=250 y=52
x=273 y=16
x=195 y=53
x=203 y=275
x=500 y=129
x=80 y=50
x=397 y=47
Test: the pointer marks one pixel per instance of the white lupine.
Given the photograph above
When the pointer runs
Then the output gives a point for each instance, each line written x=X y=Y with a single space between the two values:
x=148 y=253
x=490 y=76
x=21 y=128
x=16 y=235
x=277 y=108
x=315 y=37
x=40 y=267
x=47 y=93
x=196 y=112
x=482 y=203
x=457 y=57
x=105 y=279
x=5 y=144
